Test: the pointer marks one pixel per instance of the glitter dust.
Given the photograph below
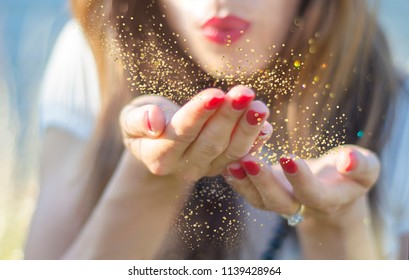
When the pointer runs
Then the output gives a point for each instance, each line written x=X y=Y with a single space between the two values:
x=153 y=63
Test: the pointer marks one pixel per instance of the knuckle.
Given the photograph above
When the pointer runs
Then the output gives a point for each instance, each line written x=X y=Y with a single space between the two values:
x=209 y=149
x=230 y=116
x=247 y=129
x=234 y=155
x=185 y=136
x=123 y=116
x=126 y=122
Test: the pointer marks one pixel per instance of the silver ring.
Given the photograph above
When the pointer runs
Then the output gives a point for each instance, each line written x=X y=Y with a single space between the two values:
x=295 y=218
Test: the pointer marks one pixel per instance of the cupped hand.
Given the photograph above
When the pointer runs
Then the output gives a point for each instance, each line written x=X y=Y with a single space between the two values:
x=332 y=187
x=199 y=139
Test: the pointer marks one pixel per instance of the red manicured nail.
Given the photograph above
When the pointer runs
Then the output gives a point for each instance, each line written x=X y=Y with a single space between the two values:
x=255 y=118
x=242 y=101
x=352 y=161
x=214 y=103
x=147 y=121
x=239 y=173
x=263 y=133
x=251 y=167
x=288 y=165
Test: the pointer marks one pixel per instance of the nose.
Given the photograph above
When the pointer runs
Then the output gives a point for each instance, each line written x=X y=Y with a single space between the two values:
x=218 y=4
x=221 y=3
x=221 y=6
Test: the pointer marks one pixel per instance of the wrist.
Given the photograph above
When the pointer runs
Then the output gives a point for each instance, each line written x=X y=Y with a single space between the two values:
x=133 y=216
x=344 y=234
x=146 y=181
x=181 y=175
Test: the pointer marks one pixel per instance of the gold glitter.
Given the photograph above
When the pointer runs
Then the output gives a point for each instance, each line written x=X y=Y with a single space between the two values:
x=155 y=64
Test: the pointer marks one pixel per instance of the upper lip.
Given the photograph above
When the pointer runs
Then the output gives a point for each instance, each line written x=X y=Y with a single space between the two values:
x=227 y=23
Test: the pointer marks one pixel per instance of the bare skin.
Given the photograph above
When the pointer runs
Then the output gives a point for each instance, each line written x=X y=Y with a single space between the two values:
x=118 y=226
x=334 y=192
x=337 y=216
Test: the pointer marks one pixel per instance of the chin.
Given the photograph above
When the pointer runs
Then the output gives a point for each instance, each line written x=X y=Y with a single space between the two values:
x=224 y=72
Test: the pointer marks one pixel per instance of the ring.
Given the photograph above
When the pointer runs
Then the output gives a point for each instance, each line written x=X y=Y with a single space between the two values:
x=295 y=218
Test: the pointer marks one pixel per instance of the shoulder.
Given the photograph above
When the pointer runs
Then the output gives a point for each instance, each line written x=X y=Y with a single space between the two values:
x=70 y=90
x=70 y=50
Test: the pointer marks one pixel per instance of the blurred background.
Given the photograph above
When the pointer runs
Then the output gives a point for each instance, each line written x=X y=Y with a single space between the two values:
x=28 y=30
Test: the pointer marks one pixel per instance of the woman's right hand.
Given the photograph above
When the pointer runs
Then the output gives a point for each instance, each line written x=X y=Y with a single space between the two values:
x=199 y=139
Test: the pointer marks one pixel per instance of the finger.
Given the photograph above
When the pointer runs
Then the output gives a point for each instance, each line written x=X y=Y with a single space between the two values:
x=187 y=122
x=358 y=164
x=326 y=191
x=304 y=183
x=244 y=134
x=262 y=137
x=167 y=106
x=238 y=180
x=180 y=131
x=273 y=188
x=185 y=125
x=216 y=134
x=142 y=121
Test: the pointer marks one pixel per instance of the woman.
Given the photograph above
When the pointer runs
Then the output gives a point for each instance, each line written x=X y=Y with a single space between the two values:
x=321 y=74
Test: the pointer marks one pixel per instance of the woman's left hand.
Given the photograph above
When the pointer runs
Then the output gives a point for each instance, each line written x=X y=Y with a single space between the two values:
x=332 y=187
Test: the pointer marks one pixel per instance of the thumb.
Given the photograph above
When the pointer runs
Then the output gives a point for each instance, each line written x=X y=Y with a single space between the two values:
x=358 y=164
x=142 y=121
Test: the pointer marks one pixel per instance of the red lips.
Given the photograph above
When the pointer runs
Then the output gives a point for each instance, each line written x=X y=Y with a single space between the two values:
x=225 y=30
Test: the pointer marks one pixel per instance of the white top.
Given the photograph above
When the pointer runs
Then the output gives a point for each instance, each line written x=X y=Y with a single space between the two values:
x=70 y=100
x=70 y=90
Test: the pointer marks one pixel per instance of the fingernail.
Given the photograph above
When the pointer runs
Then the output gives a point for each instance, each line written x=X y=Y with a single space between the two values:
x=255 y=118
x=351 y=162
x=147 y=121
x=264 y=132
x=214 y=103
x=251 y=167
x=288 y=165
x=238 y=173
x=242 y=101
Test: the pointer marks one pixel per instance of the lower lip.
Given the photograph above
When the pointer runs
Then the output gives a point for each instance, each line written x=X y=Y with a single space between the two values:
x=226 y=31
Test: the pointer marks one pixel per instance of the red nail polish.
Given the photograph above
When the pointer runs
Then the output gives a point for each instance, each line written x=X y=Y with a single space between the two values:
x=255 y=118
x=239 y=173
x=264 y=132
x=352 y=162
x=147 y=121
x=251 y=167
x=242 y=101
x=288 y=165
x=214 y=103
